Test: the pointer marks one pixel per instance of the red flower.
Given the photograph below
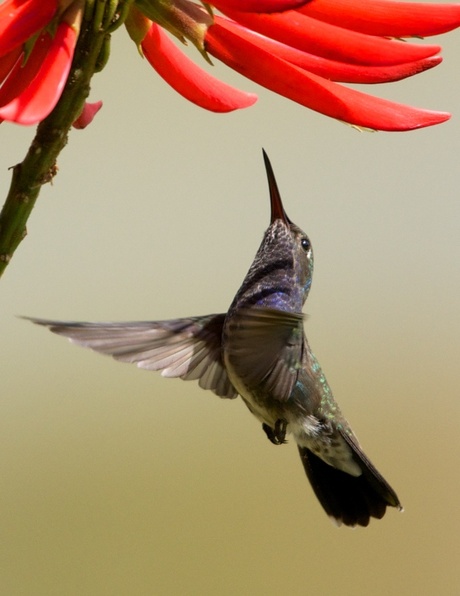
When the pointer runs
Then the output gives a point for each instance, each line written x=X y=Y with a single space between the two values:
x=188 y=79
x=21 y=19
x=300 y=49
x=238 y=48
x=34 y=63
x=303 y=52
x=87 y=114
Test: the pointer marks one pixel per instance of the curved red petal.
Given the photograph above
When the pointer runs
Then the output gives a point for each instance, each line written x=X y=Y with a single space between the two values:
x=331 y=69
x=188 y=79
x=7 y=62
x=43 y=93
x=332 y=42
x=258 y=6
x=312 y=91
x=22 y=74
x=20 y=19
x=387 y=17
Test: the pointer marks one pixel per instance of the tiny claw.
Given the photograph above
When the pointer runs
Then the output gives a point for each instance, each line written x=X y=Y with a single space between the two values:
x=276 y=435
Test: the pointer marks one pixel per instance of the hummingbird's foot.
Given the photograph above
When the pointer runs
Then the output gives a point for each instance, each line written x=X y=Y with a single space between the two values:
x=276 y=435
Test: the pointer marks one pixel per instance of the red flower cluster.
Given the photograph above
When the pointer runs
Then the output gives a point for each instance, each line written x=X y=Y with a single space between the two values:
x=300 y=49
x=302 y=54
x=35 y=60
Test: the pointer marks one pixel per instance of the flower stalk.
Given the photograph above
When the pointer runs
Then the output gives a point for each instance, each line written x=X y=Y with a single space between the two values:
x=39 y=165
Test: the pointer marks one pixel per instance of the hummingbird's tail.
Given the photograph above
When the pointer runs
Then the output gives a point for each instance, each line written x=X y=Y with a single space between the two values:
x=347 y=499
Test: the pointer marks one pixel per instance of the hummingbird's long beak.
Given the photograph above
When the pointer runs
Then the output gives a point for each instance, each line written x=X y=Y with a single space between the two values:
x=277 y=208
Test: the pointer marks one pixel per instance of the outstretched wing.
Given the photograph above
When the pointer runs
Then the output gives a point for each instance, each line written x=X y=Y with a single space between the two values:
x=265 y=348
x=186 y=348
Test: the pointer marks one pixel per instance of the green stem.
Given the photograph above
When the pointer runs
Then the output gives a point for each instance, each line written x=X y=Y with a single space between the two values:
x=39 y=165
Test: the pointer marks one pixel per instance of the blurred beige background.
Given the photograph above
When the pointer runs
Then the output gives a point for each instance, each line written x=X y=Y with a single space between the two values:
x=116 y=481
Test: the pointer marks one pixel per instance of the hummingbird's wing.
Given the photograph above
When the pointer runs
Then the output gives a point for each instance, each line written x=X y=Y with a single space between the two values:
x=266 y=346
x=186 y=348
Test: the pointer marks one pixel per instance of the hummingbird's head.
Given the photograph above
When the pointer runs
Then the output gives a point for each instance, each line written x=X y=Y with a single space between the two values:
x=280 y=275
x=286 y=242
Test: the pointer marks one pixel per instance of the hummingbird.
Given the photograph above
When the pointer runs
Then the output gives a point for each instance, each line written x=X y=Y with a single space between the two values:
x=258 y=351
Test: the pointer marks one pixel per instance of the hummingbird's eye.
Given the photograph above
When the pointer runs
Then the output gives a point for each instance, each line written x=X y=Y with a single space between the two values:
x=305 y=243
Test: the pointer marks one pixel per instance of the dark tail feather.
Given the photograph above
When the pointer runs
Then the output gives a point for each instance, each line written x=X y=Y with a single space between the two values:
x=351 y=500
